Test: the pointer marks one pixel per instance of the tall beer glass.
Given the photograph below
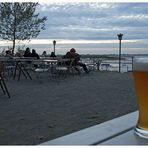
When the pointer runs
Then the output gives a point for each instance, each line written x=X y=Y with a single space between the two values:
x=140 y=73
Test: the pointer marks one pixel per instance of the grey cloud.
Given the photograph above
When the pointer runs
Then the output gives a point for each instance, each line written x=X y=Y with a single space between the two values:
x=83 y=20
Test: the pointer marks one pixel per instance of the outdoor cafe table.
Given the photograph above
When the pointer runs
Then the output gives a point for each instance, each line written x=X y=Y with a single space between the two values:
x=118 y=131
x=47 y=64
x=21 y=62
x=50 y=61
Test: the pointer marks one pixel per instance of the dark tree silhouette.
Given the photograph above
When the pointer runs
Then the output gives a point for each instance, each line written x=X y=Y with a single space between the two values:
x=18 y=21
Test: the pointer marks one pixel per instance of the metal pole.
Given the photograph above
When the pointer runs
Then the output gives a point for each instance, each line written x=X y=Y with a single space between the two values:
x=119 y=56
x=54 y=49
x=132 y=62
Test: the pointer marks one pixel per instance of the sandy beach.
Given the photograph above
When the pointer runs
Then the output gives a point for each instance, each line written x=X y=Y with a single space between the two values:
x=46 y=108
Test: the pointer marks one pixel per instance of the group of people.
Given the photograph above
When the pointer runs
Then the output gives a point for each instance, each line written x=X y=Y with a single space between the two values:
x=28 y=53
x=72 y=54
x=44 y=54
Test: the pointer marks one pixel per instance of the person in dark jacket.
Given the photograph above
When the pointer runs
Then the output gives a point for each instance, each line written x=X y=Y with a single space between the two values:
x=52 y=54
x=27 y=52
x=73 y=55
x=34 y=54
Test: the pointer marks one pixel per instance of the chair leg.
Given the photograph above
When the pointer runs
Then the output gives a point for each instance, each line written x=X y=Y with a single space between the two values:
x=6 y=88
x=2 y=82
x=27 y=73
x=2 y=87
x=16 y=66
x=24 y=72
x=21 y=71
x=19 y=74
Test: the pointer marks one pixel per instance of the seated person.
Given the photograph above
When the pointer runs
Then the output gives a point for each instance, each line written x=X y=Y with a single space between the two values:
x=73 y=55
x=66 y=56
x=34 y=54
x=27 y=52
x=44 y=54
x=9 y=61
x=53 y=54
x=8 y=54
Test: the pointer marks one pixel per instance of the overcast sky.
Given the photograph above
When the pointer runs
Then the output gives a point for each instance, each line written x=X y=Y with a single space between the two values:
x=97 y=22
x=93 y=27
x=93 y=21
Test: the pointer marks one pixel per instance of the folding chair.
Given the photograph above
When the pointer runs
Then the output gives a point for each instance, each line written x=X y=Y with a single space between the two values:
x=2 y=82
x=64 y=66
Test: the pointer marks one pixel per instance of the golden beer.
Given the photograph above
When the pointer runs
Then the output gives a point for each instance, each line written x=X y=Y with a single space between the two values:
x=140 y=74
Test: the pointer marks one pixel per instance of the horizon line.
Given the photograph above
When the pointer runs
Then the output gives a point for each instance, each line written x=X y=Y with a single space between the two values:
x=69 y=41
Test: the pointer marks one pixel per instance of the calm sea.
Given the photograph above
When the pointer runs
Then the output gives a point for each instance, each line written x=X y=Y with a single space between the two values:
x=81 y=48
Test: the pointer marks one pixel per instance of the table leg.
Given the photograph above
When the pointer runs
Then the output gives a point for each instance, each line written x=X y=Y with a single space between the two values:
x=15 y=70
x=25 y=70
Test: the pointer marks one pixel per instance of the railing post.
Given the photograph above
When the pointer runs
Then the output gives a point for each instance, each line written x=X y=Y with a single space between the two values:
x=98 y=65
x=119 y=56
x=132 y=62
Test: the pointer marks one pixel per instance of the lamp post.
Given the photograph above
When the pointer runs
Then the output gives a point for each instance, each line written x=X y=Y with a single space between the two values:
x=120 y=38
x=54 y=43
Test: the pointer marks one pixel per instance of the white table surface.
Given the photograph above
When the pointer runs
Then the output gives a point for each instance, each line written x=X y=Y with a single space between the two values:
x=118 y=131
x=128 y=138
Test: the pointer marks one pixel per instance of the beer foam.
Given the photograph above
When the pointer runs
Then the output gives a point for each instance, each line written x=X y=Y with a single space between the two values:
x=140 y=64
